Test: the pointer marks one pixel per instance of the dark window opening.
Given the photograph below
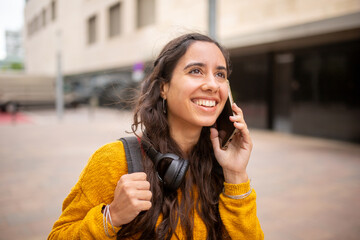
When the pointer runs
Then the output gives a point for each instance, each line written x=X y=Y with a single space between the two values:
x=92 y=30
x=114 y=20
x=145 y=13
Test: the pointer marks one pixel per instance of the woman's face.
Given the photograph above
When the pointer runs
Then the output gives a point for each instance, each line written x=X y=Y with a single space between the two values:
x=198 y=90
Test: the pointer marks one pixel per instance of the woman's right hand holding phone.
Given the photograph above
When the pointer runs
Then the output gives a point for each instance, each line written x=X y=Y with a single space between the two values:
x=132 y=195
x=235 y=158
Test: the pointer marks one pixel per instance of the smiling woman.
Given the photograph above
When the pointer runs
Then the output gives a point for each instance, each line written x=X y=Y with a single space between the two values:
x=178 y=104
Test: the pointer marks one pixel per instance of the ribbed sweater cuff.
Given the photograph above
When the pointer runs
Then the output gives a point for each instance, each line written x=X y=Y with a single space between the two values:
x=236 y=189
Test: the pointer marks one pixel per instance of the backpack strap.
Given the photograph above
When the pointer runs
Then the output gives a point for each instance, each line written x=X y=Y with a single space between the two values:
x=133 y=154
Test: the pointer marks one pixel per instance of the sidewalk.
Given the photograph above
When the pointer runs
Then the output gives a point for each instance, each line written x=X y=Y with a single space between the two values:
x=307 y=188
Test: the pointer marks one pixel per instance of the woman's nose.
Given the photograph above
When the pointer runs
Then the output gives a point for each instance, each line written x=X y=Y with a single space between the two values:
x=210 y=84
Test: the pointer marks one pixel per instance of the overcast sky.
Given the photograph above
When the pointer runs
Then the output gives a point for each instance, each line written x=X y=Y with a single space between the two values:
x=11 y=18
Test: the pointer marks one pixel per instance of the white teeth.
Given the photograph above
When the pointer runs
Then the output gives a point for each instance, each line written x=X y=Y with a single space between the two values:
x=206 y=103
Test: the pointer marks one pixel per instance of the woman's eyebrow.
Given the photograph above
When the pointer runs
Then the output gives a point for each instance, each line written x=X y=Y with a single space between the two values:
x=199 y=64
x=221 y=68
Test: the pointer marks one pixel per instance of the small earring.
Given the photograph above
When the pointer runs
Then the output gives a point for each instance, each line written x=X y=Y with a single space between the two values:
x=164 y=105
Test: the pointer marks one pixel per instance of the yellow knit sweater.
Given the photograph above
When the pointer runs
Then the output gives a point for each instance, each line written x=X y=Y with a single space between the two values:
x=81 y=216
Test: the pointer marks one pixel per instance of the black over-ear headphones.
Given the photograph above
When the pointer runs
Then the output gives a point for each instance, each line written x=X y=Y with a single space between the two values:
x=175 y=173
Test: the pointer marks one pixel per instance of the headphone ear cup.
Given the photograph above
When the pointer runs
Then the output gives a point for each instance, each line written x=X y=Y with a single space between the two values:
x=175 y=173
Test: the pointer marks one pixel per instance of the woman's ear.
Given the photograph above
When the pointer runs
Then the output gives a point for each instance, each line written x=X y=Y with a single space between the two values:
x=164 y=88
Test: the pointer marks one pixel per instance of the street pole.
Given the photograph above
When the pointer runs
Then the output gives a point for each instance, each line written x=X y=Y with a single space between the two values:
x=59 y=83
x=212 y=19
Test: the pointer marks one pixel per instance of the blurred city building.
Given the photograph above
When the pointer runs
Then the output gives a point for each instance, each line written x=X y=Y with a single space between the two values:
x=295 y=62
x=14 y=51
x=13 y=41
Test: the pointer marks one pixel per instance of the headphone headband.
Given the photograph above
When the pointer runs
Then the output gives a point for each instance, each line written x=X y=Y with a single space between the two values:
x=151 y=152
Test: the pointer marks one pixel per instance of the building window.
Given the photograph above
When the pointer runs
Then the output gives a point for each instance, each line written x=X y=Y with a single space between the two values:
x=33 y=25
x=114 y=20
x=92 y=29
x=145 y=13
x=39 y=21
x=37 y=24
x=43 y=17
x=53 y=10
x=28 y=29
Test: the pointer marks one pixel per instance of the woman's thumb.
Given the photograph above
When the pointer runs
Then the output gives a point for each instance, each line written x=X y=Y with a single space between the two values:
x=214 y=137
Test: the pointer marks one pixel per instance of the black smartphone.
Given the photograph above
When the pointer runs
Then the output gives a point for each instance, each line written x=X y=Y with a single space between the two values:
x=224 y=126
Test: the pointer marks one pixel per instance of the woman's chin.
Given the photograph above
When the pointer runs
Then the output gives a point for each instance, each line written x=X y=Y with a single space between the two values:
x=208 y=123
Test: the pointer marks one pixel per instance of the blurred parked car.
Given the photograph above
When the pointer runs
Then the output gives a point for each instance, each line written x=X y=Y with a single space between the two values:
x=111 y=90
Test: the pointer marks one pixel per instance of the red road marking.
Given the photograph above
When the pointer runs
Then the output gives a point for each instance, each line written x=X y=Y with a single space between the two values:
x=16 y=118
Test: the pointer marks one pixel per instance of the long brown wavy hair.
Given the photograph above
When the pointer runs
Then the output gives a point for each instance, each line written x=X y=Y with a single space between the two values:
x=204 y=180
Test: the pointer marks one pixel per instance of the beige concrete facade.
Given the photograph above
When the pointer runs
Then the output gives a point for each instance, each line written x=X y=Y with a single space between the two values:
x=247 y=17
x=240 y=24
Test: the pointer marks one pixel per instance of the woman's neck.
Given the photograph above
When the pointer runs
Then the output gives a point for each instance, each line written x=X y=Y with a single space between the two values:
x=185 y=137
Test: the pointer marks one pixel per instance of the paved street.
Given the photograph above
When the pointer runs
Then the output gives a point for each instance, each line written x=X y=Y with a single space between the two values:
x=307 y=188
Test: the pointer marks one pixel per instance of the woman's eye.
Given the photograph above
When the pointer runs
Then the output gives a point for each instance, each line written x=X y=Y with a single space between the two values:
x=222 y=75
x=195 y=71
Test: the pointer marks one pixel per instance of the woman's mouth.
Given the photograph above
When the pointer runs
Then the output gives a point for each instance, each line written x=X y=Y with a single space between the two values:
x=205 y=102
